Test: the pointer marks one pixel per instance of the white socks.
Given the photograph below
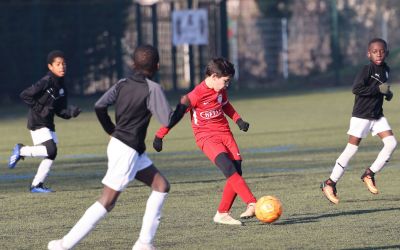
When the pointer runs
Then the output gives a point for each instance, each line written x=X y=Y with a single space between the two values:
x=96 y=212
x=86 y=224
x=42 y=172
x=152 y=215
x=343 y=161
x=33 y=151
x=389 y=145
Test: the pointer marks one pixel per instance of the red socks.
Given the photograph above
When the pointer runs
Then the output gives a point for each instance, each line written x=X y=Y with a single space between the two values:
x=235 y=185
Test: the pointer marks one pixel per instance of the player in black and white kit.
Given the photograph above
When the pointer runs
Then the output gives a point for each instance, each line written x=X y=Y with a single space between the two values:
x=136 y=99
x=370 y=88
x=46 y=98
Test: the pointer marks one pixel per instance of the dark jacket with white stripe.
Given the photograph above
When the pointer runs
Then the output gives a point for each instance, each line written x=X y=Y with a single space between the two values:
x=46 y=98
x=136 y=99
x=368 y=101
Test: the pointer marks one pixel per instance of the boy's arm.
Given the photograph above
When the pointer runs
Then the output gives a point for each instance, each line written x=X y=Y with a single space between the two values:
x=64 y=111
x=181 y=108
x=230 y=111
x=69 y=112
x=29 y=95
x=101 y=107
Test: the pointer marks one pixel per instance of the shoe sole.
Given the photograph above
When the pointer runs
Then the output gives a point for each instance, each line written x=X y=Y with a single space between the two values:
x=247 y=217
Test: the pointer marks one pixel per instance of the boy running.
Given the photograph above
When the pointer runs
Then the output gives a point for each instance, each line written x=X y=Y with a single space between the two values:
x=370 y=88
x=46 y=98
x=136 y=99
x=208 y=103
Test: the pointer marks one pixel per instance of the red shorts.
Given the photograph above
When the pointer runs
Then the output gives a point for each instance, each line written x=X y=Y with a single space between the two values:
x=217 y=144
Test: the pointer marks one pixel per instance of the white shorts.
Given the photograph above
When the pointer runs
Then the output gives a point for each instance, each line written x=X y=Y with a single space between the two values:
x=361 y=127
x=123 y=164
x=43 y=134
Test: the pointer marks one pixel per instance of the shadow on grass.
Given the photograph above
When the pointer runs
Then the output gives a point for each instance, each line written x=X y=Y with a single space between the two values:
x=372 y=248
x=316 y=218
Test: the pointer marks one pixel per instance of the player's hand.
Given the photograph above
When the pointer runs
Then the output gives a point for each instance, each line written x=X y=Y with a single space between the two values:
x=74 y=111
x=384 y=88
x=389 y=96
x=244 y=126
x=157 y=143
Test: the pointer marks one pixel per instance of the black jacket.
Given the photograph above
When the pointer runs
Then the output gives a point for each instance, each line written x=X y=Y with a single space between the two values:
x=368 y=101
x=46 y=98
x=136 y=99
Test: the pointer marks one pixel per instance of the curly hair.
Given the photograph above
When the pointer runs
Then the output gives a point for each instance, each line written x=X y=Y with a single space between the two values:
x=146 y=59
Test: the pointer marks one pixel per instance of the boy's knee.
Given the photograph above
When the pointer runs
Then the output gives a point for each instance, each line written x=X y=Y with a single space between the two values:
x=162 y=186
x=238 y=166
x=51 y=149
x=225 y=164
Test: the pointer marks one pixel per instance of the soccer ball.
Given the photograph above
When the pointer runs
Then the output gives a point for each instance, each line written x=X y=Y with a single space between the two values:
x=268 y=209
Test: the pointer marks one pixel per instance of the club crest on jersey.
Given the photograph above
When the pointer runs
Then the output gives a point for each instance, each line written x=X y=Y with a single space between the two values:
x=209 y=114
x=219 y=98
x=61 y=92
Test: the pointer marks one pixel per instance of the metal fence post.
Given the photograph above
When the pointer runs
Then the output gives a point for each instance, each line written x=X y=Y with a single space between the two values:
x=224 y=29
x=139 y=24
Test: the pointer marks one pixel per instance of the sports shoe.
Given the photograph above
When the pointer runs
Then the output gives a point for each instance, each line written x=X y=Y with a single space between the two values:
x=369 y=179
x=143 y=246
x=250 y=211
x=226 y=218
x=56 y=245
x=40 y=188
x=15 y=156
x=328 y=187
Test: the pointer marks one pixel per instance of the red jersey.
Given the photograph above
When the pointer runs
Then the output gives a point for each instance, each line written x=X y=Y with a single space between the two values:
x=208 y=109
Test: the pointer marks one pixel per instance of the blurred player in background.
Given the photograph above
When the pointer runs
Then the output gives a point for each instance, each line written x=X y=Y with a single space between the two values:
x=136 y=99
x=208 y=104
x=370 y=88
x=46 y=98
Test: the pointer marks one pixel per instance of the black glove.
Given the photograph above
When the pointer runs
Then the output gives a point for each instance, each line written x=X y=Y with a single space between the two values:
x=74 y=111
x=389 y=96
x=244 y=126
x=157 y=143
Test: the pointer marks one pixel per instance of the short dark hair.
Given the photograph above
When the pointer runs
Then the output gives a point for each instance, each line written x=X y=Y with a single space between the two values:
x=54 y=54
x=146 y=59
x=378 y=40
x=221 y=67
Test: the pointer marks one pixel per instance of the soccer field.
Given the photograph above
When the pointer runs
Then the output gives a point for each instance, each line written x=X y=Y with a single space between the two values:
x=291 y=146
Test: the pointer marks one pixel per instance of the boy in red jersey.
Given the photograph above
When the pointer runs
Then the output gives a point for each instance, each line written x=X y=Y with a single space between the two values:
x=208 y=103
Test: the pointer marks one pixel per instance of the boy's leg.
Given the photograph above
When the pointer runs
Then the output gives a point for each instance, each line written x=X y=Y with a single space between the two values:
x=33 y=151
x=44 y=167
x=121 y=170
x=343 y=160
x=236 y=182
x=228 y=194
x=329 y=186
x=89 y=219
x=152 y=215
x=389 y=145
